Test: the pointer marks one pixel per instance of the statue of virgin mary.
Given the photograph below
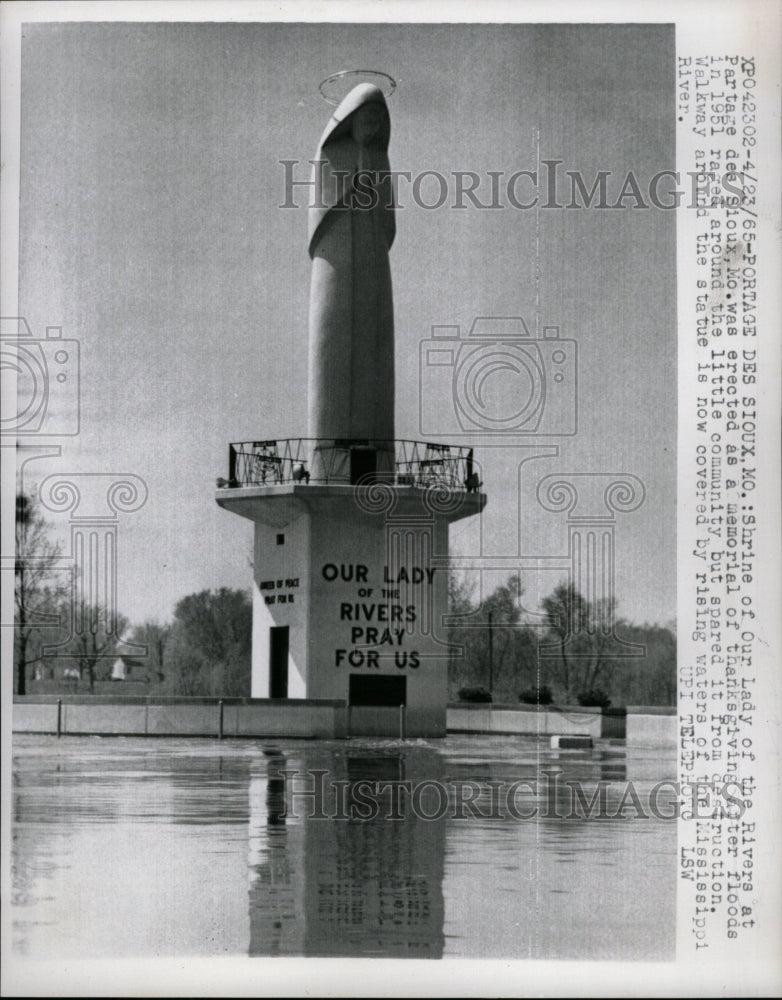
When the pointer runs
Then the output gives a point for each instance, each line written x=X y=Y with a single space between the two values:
x=351 y=326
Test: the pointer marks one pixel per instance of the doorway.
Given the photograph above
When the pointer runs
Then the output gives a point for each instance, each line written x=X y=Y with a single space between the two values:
x=363 y=465
x=377 y=690
x=278 y=661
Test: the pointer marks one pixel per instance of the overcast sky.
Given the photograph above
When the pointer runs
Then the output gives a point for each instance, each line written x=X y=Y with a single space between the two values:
x=150 y=230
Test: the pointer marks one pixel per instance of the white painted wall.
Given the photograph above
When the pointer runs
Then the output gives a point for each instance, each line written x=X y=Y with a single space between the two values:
x=277 y=564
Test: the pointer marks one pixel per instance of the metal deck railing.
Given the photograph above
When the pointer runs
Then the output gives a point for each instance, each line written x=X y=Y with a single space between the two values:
x=419 y=464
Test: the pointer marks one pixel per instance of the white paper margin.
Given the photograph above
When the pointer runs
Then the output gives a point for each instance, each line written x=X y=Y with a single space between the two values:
x=751 y=969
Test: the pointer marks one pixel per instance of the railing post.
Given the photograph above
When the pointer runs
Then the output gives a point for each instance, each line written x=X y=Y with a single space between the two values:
x=231 y=464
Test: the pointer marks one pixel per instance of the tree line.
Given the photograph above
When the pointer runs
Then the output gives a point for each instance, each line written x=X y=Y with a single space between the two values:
x=204 y=650
x=575 y=651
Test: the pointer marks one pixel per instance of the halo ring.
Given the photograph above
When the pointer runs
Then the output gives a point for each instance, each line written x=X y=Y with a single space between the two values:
x=328 y=84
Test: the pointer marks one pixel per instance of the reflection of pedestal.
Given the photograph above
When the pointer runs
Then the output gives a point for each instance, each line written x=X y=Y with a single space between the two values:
x=373 y=888
x=347 y=887
x=276 y=850
x=348 y=598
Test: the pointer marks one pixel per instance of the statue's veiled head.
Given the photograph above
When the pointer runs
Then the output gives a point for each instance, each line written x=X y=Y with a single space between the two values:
x=356 y=137
x=362 y=115
x=369 y=124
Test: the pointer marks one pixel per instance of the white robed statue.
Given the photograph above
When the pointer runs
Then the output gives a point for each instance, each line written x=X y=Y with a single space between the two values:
x=351 y=333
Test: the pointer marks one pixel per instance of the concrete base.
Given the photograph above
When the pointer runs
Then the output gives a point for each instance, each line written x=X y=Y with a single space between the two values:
x=525 y=720
x=386 y=721
x=325 y=719
x=212 y=717
x=639 y=725
x=652 y=726
x=350 y=595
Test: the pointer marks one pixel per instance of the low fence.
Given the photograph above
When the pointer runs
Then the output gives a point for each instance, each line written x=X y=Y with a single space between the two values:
x=212 y=717
x=62 y=686
x=639 y=725
x=652 y=726
x=543 y=720
x=643 y=726
x=404 y=721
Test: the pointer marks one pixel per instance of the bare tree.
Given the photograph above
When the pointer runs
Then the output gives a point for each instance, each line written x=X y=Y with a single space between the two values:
x=36 y=594
x=578 y=650
x=498 y=645
x=460 y=591
x=97 y=636
x=156 y=638
x=568 y=615
x=501 y=611
x=209 y=649
x=600 y=626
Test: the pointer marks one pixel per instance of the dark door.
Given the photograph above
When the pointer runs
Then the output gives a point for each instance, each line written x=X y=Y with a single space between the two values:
x=278 y=661
x=363 y=465
x=368 y=689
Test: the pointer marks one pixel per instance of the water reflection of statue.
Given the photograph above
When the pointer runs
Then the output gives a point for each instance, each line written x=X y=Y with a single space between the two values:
x=351 y=364
x=342 y=882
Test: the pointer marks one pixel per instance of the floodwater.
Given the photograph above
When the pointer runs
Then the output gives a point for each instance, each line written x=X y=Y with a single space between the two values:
x=127 y=847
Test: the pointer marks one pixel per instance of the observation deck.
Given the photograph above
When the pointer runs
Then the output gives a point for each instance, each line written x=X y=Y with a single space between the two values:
x=268 y=480
x=277 y=462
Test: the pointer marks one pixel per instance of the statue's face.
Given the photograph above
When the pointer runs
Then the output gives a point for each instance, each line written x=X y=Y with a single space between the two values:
x=367 y=122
